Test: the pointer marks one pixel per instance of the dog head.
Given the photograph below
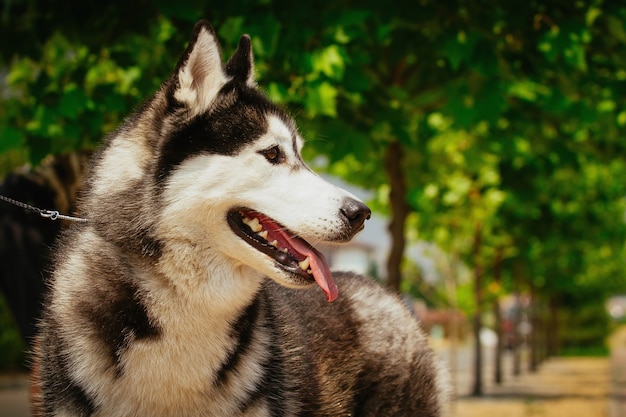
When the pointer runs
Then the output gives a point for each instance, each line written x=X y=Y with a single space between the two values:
x=225 y=163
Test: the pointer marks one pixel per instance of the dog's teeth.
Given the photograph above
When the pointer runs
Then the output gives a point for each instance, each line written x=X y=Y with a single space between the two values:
x=255 y=225
x=309 y=271
x=304 y=264
x=274 y=243
x=263 y=234
x=285 y=250
x=252 y=223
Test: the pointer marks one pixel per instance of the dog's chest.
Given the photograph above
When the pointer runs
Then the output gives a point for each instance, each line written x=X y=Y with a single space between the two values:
x=184 y=372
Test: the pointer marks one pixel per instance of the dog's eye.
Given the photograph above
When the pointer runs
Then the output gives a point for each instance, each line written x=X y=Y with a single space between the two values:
x=274 y=155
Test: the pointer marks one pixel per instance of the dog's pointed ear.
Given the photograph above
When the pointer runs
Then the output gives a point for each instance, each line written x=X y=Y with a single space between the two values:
x=200 y=73
x=241 y=65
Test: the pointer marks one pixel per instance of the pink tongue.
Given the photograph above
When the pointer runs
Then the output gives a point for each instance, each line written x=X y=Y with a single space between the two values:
x=319 y=267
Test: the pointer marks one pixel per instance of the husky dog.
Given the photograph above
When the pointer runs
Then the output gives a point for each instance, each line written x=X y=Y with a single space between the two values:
x=190 y=292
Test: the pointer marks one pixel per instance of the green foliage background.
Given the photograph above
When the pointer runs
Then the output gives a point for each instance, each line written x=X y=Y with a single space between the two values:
x=511 y=116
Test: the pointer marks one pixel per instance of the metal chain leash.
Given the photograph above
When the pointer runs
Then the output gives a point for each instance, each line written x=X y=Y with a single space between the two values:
x=48 y=214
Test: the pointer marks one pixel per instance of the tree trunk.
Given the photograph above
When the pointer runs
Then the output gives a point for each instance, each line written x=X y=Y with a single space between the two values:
x=535 y=334
x=454 y=324
x=553 y=347
x=477 y=391
x=517 y=318
x=542 y=331
x=399 y=213
x=497 y=278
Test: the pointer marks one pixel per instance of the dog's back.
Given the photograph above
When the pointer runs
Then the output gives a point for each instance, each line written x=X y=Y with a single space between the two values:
x=364 y=354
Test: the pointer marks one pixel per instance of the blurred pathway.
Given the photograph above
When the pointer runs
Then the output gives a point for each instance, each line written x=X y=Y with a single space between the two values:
x=14 y=395
x=562 y=387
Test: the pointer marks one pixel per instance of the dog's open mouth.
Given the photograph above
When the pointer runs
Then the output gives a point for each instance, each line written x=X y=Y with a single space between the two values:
x=292 y=253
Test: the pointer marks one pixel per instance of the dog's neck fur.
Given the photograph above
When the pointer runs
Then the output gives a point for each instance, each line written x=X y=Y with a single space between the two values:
x=192 y=273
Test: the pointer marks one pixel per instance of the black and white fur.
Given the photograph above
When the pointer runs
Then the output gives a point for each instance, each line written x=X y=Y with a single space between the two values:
x=161 y=305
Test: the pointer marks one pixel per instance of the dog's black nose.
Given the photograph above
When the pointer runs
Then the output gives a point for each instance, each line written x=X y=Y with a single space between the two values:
x=356 y=213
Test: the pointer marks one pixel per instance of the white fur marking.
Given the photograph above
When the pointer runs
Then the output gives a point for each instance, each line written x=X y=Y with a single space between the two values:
x=120 y=165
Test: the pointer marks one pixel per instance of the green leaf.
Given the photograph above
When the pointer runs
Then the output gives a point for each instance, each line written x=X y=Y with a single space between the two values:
x=549 y=44
x=607 y=105
x=321 y=99
x=459 y=48
x=592 y=14
x=616 y=28
x=72 y=102
x=329 y=61
x=527 y=90
x=428 y=97
x=455 y=53
x=10 y=138
x=277 y=92
x=231 y=29
x=576 y=56
x=265 y=33
x=356 y=81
